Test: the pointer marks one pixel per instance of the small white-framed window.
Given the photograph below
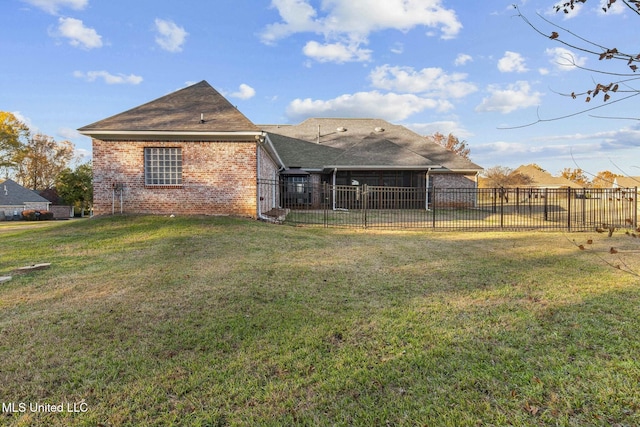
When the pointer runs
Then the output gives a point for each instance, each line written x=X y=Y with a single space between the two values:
x=163 y=166
x=297 y=184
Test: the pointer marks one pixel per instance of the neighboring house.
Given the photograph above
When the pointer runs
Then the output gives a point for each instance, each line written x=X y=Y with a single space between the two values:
x=543 y=179
x=626 y=182
x=192 y=152
x=540 y=179
x=60 y=210
x=14 y=199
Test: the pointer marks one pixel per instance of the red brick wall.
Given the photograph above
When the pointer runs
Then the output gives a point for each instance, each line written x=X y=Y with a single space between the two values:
x=453 y=199
x=218 y=178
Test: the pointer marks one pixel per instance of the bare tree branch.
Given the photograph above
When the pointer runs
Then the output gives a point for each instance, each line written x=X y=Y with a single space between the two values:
x=577 y=113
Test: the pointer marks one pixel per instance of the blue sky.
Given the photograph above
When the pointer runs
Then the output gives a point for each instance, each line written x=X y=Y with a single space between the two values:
x=467 y=67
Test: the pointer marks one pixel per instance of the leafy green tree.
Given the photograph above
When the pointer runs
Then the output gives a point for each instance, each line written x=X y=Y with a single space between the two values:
x=40 y=160
x=12 y=135
x=76 y=186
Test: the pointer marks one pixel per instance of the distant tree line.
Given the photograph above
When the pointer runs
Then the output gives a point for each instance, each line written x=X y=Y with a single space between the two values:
x=39 y=162
x=502 y=176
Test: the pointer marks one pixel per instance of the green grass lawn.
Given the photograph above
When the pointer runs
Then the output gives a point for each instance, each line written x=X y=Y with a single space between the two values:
x=156 y=321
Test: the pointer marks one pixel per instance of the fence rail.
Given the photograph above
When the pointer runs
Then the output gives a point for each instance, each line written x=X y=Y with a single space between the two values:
x=454 y=208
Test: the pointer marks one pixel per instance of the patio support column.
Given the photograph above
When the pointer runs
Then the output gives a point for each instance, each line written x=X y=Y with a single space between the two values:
x=426 y=190
x=333 y=204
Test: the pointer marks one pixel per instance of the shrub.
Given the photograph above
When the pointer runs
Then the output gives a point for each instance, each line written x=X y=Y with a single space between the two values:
x=32 y=215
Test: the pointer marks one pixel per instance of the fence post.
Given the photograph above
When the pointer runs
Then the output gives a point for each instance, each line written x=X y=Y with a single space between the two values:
x=635 y=210
x=433 y=207
x=495 y=200
x=365 y=203
x=584 y=207
x=325 y=205
x=568 y=209
x=502 y=196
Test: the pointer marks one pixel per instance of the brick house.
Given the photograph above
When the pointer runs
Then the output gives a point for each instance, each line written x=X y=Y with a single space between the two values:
x=14 y=198
x=189 y=152
x=192 y=152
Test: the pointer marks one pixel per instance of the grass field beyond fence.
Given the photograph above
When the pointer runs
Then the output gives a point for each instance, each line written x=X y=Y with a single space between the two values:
x=157 y=321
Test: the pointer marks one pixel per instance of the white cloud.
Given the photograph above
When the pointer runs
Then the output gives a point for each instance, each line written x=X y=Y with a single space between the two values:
x=397 y=48
x=577 y=9
x=512 y=62
x=511 y=98
x=626 y=137
x=297 y=17
x=391 y=106
x=53 y=6
x=23 y=119
x=79 y=35
x=431 y=81
x=579 y=147
x=244 y=92
x=565 y=60
x=83 y=155
x=108 y=78
x=617 y=8
x=463 y=59
x=501 y=148
x=170 y=36
x=69 y=133
x=351 y=22
x=336 y=52
x=444 y=127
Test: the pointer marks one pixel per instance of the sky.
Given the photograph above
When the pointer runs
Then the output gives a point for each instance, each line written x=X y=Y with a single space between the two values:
x=472 y=68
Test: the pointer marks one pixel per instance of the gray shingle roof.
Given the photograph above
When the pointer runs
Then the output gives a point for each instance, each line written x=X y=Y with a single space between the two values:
x=179 y=111
x=360 y=142
x=298 y=153
x=14 y=194
x=313 y=144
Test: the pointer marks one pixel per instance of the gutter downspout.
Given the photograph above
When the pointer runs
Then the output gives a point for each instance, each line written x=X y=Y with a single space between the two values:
x=262 y=140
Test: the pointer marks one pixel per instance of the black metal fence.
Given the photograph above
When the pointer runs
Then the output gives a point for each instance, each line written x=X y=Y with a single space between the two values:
x=453 y=208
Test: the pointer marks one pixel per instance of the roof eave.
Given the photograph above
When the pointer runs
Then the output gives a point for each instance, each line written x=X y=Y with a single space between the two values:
x=381 y=167
x=443 y=169
x=168 y=135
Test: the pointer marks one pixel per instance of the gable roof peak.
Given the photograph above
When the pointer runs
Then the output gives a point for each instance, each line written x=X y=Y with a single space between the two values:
x=196 y=108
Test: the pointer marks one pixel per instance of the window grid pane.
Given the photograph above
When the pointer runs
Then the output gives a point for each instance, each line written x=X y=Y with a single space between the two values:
x=163 y=166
